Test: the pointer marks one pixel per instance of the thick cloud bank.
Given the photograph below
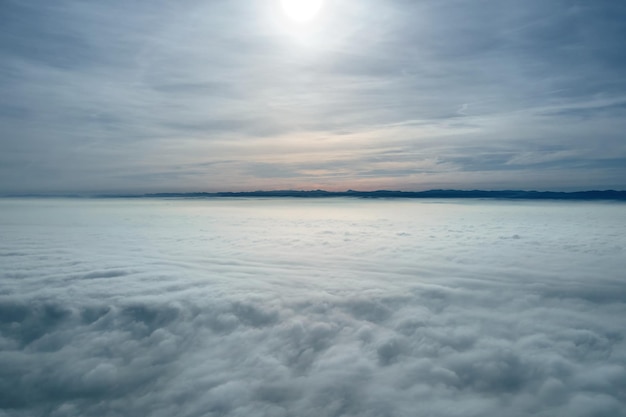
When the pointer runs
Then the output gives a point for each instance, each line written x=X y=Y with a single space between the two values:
x=312 y=308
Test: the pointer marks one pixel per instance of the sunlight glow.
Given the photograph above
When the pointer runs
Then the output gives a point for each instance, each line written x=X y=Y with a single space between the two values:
x=301 y=10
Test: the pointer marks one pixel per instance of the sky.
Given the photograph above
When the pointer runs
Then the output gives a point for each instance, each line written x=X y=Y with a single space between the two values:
x=233 y=95
x=313 y=308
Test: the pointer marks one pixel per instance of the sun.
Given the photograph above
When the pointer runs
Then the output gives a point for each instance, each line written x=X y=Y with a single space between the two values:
x=301 y=10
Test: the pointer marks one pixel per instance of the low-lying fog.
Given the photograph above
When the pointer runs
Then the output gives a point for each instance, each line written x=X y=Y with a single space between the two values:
x=322 y=307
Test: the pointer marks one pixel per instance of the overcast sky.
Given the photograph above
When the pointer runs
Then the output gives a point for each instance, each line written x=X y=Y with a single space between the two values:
x=220 y=95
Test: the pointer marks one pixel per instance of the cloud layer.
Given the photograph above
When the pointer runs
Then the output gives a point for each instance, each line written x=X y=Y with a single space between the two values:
x=227 y=95
x=311 y=308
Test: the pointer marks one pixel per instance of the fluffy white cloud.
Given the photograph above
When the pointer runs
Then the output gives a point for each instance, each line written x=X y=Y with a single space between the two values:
x=311 y=308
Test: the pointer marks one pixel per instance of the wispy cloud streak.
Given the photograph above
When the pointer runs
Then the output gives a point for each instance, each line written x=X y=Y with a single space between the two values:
x=95 y=94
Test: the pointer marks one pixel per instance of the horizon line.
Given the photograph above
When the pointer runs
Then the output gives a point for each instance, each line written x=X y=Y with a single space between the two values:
x=607 y=194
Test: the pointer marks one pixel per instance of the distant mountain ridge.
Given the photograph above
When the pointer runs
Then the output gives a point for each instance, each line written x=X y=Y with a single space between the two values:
x=503 y=194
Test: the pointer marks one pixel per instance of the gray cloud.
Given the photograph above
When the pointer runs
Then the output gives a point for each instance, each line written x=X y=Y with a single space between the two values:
x=91 y=90
x=283 y=307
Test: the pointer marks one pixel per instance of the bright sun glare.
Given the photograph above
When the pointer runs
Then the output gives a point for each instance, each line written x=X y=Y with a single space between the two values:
x=301 y=10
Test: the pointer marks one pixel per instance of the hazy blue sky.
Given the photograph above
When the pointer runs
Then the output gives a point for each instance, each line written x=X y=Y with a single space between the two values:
x=141 y=96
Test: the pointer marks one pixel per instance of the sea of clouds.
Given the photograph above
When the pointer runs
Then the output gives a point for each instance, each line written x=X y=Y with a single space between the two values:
x=288 y=307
